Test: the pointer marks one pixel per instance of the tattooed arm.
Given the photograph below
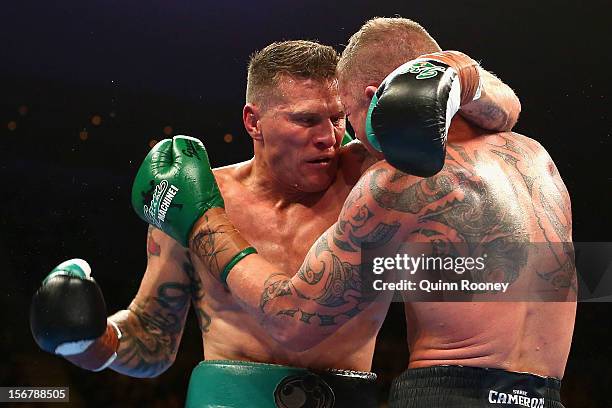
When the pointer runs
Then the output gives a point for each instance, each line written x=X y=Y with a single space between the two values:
x=301 y=309
x=153 y=324
x=498 y=107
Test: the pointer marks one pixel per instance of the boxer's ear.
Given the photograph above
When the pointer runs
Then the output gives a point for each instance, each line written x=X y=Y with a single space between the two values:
x=369 y=91
x=250 y=118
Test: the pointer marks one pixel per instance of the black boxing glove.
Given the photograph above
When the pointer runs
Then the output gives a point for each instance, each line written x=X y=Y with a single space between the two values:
x=410 y=113
x=68 y=317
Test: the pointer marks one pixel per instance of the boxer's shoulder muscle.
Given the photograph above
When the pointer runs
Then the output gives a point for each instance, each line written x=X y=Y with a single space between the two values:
x=227 y=175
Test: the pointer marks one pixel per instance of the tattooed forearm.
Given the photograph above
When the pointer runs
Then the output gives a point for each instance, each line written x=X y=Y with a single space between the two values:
x=216 y=240
x=497 y=108
x=331 y=288
x=349 y=235
x=486 y=114
x=318 y=318
x=275 y=286
x=205 y=246
x=306 y=272
x=152 y=331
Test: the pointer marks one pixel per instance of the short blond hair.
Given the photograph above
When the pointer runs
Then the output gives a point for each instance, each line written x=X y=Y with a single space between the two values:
x=381 y=45
x=297 y=58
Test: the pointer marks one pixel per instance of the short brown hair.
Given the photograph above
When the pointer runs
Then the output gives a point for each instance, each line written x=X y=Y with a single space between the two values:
x=381 y=45
x=297 y=58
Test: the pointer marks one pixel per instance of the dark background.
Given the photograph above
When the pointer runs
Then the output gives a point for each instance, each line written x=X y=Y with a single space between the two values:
x=143 y=66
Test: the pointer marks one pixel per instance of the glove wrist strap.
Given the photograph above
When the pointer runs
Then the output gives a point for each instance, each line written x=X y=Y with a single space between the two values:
x=101 y=353
x=467 y=71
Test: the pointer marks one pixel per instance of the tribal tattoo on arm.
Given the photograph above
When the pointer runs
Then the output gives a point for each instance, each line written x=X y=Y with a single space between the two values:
x=333 y=284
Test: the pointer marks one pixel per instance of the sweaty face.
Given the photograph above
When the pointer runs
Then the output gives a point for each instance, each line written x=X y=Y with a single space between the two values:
x=302 y=129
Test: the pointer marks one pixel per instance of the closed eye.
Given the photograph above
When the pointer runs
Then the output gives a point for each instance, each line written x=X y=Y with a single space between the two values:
x=338 y=121
x=306 y=120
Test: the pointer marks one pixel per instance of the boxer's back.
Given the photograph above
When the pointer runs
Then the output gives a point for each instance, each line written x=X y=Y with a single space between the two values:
x=502 y=194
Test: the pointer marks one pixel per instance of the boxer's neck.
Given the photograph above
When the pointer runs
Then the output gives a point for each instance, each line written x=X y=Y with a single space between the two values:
x=268 y=186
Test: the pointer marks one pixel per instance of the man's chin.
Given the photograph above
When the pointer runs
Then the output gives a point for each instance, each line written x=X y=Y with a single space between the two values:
x=316 y=185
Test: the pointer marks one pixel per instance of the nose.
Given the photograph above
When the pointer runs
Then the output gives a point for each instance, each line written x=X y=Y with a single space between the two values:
x=325 y=136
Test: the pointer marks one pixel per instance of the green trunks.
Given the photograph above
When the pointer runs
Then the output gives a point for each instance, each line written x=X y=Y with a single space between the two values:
x=242 y=384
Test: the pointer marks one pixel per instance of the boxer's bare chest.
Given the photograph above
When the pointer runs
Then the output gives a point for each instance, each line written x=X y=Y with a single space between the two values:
x=283 y=235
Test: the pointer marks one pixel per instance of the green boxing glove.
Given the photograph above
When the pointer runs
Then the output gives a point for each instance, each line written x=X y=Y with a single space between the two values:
x=173 y=189
x=175 y=186
x=346 y=139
